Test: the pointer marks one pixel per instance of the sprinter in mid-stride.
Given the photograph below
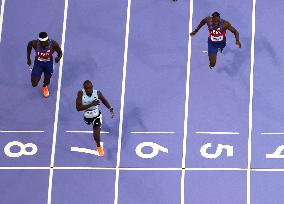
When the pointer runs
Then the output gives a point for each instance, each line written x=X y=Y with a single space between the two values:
x=88 y=100
x=43 y=63
x=217 y=35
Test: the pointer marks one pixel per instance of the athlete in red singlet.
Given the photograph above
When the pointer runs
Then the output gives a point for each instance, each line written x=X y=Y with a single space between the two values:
x=44 y=48
x=217 y=35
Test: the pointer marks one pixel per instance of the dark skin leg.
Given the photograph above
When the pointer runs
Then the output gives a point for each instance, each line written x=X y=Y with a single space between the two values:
x=46 y=80
x=96 y=135
x=35 y=80
x=212 y=60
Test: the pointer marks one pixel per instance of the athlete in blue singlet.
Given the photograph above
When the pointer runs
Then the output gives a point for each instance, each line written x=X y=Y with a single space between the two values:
x=88 y=100
x=44 y=48
x=217 y=35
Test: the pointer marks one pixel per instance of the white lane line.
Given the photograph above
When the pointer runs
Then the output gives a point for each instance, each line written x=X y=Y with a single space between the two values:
x=138 y=169
x=130 y=168
x=24 y=168
x=85 y=132
x=85 y=150
x=22 y=131
x=268 y=170
x=50 y=182
x=186 y=104
x=272 y=133
x=251 y=104
x=152 y=132
x=122 y=101
x=2 y=18
x=218 y=133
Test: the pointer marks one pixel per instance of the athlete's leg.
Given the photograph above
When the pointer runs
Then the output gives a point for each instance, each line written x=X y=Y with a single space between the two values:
x=46 y=80
x=212 y=54
x=212 y=61
x=36 y=73
x=97 y=129
x=35 y=80
x=48 y=71
x=96 y=134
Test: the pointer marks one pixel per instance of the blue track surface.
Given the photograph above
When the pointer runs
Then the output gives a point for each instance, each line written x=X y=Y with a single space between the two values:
x=154 y=101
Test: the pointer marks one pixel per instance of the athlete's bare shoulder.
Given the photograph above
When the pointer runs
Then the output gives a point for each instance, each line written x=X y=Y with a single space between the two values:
x=226 y=24
x=33 y=43
x=55 y=44
x=80 y=93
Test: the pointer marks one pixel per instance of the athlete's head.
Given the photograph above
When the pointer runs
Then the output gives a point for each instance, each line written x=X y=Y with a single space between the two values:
x=88 y=86
x=43 y=39
x=215 y=18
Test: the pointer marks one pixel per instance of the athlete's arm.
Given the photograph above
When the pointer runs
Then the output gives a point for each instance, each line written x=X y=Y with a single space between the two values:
x=57 y=48
x=29 y=50
x=202 y=23
x=233 y=30
x=106 y=103
x=80 y=106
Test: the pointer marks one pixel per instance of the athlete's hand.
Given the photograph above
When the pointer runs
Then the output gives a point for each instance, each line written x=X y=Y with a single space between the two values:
x=193 y=33
x=238 y=43
x=95 y=103
x=112 y=113
x=57 y=59
x=29 y=62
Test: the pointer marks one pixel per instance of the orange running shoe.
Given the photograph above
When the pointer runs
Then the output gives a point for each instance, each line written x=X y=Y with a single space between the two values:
x=101 y=151
x=45 y=91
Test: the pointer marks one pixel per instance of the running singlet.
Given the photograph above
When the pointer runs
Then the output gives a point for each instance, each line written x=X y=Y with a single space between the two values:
x=86 y=100
x=44 y=54
x=215 y=33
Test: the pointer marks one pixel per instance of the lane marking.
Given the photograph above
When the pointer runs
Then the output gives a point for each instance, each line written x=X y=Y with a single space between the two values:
x=152 y=132
x=2 y=18
x=272 y=133
x=50 y=181
x=251 y=104
x=127 y=26
x=84 y=132
x=138 y=169
x=86 y=150
x=21 y=131
x=219 y=133
x=186 y=104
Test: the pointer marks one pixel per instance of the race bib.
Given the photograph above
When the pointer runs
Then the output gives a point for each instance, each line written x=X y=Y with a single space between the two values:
x=216 y=39
x=43 y=60
x=91 y=113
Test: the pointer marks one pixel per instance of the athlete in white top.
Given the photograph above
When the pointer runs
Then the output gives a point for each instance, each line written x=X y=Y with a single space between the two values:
x=88 y=100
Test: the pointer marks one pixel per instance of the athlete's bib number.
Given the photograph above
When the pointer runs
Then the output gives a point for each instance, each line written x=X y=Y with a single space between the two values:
x=91 y=113
x=217 y=39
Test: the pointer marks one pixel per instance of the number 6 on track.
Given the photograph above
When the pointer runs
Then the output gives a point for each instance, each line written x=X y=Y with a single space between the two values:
x=229 y=149
x=155 y=150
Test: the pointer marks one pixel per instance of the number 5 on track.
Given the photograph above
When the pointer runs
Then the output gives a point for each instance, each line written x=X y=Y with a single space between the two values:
x=228 y=148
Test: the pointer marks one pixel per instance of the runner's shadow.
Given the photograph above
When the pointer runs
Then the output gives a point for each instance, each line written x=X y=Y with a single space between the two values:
x=132 y=119
x=237 y=57
x=73 y=70
x=234 y=58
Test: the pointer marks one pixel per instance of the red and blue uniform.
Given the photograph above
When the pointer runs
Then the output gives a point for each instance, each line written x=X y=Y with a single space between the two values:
x=43 y=60
x=217 y=37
